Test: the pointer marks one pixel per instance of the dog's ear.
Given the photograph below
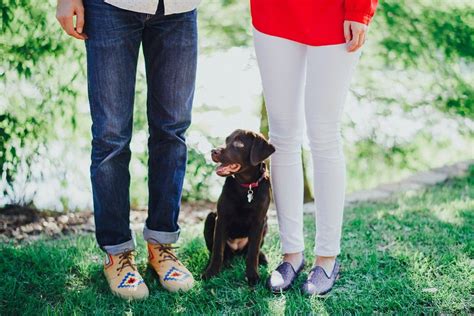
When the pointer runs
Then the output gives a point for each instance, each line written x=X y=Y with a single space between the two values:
x=261 y=150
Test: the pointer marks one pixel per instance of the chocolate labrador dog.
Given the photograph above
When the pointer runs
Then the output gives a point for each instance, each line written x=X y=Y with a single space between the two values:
x=239 y=226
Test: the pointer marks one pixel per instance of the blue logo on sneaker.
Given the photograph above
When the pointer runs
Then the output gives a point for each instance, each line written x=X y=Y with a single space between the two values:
x=175 y=274
x=130 y=281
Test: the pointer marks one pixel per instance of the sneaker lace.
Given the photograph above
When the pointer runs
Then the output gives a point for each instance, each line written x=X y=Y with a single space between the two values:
x=125 y=259
x=166 y=252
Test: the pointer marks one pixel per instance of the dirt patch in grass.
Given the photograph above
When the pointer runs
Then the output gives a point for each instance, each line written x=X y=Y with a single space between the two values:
x=24 y=223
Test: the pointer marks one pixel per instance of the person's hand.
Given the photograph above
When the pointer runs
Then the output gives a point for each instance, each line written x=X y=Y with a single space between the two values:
x=354 y=33
x=65 y=12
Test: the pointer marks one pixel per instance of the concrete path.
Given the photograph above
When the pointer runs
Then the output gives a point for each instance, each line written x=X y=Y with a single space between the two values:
x=416 y=181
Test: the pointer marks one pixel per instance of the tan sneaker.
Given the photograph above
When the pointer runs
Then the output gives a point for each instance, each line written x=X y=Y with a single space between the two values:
x=123 y=277
x=172 y=273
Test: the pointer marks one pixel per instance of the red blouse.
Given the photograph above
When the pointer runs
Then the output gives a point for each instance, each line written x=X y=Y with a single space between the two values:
x=311 y=22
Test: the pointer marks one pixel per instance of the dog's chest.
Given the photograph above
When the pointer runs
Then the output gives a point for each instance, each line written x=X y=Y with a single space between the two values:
x=238 y=213
x=237 y=243
x=240 y=226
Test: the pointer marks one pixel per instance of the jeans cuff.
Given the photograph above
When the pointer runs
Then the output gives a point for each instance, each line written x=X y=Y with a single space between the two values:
x=154 y=236
x=115 y=250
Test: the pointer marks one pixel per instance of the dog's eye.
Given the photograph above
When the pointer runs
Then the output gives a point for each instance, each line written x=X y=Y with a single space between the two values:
x=238 y=144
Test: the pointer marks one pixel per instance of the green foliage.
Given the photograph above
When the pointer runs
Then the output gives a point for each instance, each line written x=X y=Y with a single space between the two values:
x=14 y=135
x=199 y=171
x=27 y=36
x=38 y=77
x=460 y=103
x=418 y=31
x=436 y=38
x=409 y=255
x=224 y=24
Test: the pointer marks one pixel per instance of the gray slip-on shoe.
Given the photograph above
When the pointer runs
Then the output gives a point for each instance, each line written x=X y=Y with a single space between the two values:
x=318 y=282
x=283 y=276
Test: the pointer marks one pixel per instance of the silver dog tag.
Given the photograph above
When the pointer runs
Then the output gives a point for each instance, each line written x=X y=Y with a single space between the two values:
x=250 y=194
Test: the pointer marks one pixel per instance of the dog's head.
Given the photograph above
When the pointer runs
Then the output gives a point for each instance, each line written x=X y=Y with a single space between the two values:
x=242 y=150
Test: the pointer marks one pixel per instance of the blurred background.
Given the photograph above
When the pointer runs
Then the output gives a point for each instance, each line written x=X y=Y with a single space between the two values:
x=411 y=105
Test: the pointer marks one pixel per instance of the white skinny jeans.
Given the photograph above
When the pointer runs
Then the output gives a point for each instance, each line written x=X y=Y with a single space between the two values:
x=306 y=82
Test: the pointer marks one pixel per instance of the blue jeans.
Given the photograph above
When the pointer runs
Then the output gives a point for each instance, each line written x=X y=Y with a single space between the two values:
x=170 y=51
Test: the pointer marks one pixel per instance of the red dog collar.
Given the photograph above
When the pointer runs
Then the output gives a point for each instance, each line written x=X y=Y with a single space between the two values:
x=250 y=186
x=256 y=183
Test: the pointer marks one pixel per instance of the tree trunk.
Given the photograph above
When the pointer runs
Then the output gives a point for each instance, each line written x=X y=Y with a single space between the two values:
x=308 y=196
x=263 y=119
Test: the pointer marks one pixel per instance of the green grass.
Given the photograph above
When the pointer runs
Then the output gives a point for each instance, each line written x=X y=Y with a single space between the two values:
x=410 y=254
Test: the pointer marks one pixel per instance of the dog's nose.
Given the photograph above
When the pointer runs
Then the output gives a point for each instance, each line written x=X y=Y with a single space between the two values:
x=215 y=151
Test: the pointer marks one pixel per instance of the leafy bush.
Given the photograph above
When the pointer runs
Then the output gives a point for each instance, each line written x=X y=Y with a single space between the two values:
x=436 y=38
x=36 y=99
x=199 y=171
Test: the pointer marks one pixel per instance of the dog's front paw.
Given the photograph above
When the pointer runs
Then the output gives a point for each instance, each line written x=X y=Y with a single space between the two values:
x=209 y=273
x=252 y=277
